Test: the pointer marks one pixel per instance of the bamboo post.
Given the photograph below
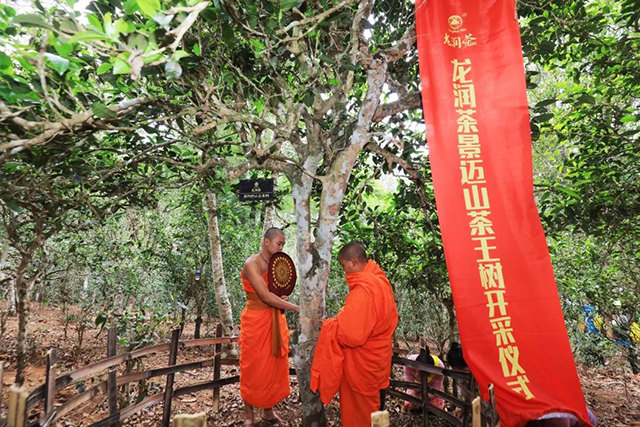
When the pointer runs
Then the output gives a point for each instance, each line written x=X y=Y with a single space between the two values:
x=50 y=383
x=190 y=420
x=216 y=369
x=112 y=390
x=476 y=415
x=17 y=406
x=492 y=401
x=168 y=391
x=1 y=378
x=380 y=419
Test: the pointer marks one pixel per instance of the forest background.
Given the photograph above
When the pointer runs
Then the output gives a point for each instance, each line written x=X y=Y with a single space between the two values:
x=125 y=126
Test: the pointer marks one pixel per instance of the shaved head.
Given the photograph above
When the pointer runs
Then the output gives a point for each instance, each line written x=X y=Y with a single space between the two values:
x=353 y=251
x=273 y=232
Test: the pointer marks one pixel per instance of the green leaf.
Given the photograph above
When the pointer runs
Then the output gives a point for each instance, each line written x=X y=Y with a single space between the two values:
x=259 y=46
x=545 y=103
x=568 y=191
x=57 y=62
x=196 y=49
x=102 y=111
x=103 y=68
x=288 y=4
x=101 y=319
x=32 y=20
x=327 y=59
x=628 y=119
x=5 y=61
x=587 y=99
x=87 y=36
x=13 y=205
x=121 y=67
x=227 y=33
x=543 y=117
x=178 y=55
x=95 y=22
x=308 y=98
x=131 y=7
x=64 y=49
x=150 y=7
x=122 y=26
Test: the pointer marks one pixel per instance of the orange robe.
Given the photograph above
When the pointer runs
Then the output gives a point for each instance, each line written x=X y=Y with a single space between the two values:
x=264 y=377
x=364 y=331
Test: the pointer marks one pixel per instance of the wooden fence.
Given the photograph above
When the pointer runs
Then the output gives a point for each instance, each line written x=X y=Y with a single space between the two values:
x=22 y=402
x=473 y=412
x=45 y=393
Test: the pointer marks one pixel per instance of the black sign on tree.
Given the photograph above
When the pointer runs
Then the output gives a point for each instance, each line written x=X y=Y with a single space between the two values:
x=256 y=190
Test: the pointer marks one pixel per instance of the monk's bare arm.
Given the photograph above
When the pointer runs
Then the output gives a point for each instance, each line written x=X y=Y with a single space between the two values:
x=252 y=273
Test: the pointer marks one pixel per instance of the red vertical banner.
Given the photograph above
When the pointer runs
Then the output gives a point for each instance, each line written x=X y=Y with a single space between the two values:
x=475 y=106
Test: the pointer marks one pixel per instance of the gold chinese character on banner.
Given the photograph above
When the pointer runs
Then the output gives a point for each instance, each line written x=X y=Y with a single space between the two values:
x=480 y=225
x=491 y=275
x=468 y=140
x=460 y=70
x=452 y=41
x=475 y=198
x=502 y=330
x=472 y=172
x=484 y=248
x=496 y=300
x=520 y=386
x=465 y=95
x=466 y=122
x=469 y=40
x=469 y=146
x=509 y=356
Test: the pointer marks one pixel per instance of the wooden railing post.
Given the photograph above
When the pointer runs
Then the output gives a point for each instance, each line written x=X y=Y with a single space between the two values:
x=425 y=398
x=168 y=391
x=17 y=406
x=112 y=389
x=476 y=416
x=216 y=369
x=50 y=384
x=1 y=378
x=380 y=419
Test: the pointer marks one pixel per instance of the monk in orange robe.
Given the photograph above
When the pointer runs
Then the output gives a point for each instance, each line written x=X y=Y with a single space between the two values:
x=264 y=335
x=355 y=348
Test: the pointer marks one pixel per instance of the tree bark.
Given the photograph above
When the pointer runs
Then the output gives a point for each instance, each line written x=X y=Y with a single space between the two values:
x=22 y=286
x=314 y=257
x=270 y=209
x=11 y=296
x=12 y=299
x=312 y=298
x=217 y=269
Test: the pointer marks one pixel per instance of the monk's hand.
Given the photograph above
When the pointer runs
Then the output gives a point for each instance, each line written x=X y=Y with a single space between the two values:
x=284 y=298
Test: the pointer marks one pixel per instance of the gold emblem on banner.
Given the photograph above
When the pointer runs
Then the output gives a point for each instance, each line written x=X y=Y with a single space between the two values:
x=454 y=38
x=455 y=24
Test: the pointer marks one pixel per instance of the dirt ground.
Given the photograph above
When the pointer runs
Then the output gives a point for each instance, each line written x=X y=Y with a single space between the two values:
x=612 y=392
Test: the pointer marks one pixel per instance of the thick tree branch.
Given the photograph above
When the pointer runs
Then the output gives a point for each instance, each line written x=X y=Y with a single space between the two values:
x=409 y=102
x=403 y=45
x=50 y=130
x=314 y=19
x=393 y=159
